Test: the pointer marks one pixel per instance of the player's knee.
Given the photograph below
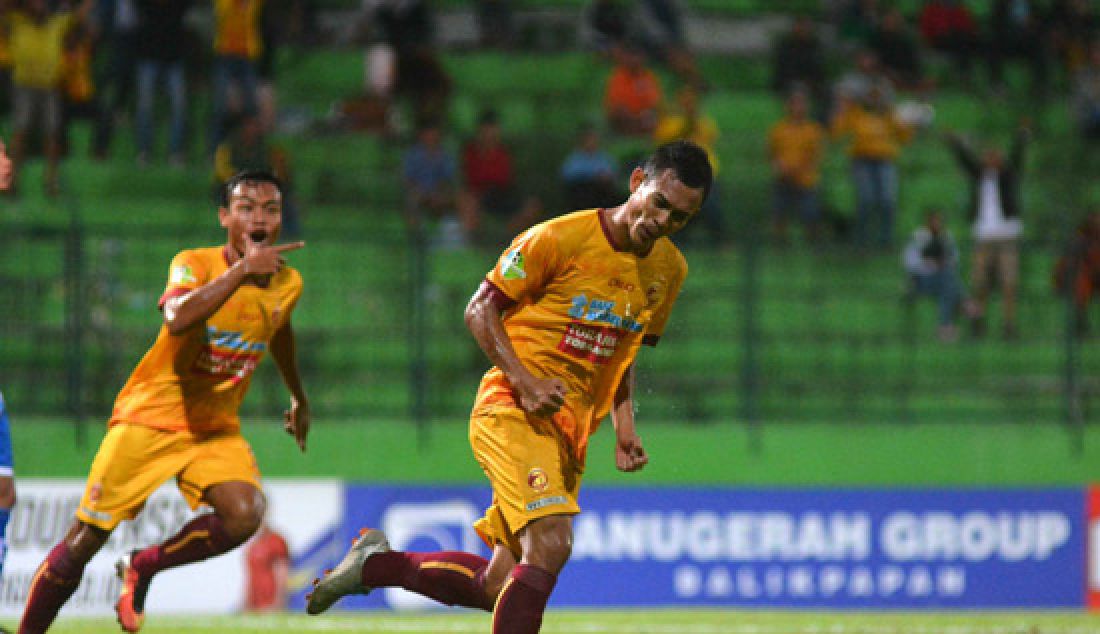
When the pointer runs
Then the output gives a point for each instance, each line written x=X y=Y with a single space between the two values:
x=243 y=515
x=549 y=543
x=7 y=493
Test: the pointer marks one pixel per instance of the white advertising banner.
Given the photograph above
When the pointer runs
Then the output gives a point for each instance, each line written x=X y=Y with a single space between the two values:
x=305 y=512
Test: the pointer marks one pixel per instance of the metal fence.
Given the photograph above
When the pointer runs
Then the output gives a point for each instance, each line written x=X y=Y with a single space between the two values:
x=760 y=334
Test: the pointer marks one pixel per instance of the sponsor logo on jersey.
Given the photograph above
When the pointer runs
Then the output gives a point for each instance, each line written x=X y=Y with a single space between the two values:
x=537 y=480
x=182 y=274
x=228 y=354
x=602 y=311
x=511 y=266
x=593 y=343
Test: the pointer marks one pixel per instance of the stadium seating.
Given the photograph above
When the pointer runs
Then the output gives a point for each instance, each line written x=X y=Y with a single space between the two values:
x=830 y=337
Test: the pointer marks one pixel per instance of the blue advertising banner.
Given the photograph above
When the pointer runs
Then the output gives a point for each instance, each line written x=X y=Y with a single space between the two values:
x=891 y=549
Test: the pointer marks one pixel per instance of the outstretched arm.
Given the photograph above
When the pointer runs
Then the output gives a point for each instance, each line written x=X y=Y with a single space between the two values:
x=541 y=397
x=183 y=312
x=963 y=153
x=629 y=453
x=284 y=351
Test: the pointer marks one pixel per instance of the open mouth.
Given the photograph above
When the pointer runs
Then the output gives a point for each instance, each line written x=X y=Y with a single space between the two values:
x=258 y=236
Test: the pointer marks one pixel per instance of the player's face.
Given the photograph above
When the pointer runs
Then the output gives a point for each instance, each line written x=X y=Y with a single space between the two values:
x=660 y=207
x=255 y=209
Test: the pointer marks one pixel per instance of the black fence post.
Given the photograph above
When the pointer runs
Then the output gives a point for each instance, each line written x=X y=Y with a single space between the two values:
x=75 y=304
x=418 y=332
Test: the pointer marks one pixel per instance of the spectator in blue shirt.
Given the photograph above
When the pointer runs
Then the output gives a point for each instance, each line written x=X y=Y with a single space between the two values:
x=588 y=173
x=431 y=188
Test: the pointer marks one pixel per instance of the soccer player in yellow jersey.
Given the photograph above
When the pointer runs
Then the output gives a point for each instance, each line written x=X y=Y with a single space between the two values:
x=561 y=316
x=176 y=417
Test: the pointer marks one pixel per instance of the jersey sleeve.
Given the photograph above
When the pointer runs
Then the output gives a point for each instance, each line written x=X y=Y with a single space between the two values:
x=528 y=265
x=656 y=327
x=186 y=273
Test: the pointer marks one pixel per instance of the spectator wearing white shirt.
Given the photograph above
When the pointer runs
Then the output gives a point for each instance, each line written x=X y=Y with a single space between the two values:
x=996 y=224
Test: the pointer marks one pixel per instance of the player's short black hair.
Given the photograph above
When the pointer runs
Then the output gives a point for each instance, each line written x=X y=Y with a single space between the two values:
x=248 y=176
x=687 y=160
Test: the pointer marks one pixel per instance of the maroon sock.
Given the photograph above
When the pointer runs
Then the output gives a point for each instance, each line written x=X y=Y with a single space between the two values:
x=453 y=578
x=53 y=584
x=523 y=600
x=199 y=539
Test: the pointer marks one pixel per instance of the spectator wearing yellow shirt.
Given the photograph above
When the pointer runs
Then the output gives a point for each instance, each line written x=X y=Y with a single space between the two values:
x=5 y=56
x=238 y=44
x=78 y=88
x=688 y=122
x=876 y=136
x=37 y=42
x=796 y=145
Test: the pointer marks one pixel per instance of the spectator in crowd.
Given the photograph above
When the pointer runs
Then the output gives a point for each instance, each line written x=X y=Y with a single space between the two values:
x=798 y=63
x=1072 y=26
x=37 y=46
x=117 y=22
x=267 y=568
x=608 y=23
x=247 y=148
x=407 y=28
x=796 y=146
x=1086 y=95
x=931 y=259
x=490 y=185
x=689 y=122
x=858 y=19
x=877 y=136
x=494 y=23
x=238 y=45
x=1017 y=31
x=633 y=97
x=161 y=44
x=1077 y=272
x=271 y=28
x=995 y=219
x=431 y=187
x=78 y=90
x=588 y=174
x=6 y=8
x=948 y=26
x=898 y=52
x=856 y=84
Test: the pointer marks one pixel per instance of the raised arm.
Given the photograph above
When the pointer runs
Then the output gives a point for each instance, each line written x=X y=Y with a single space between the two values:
x=185 y=311
x=542 y=397
x=284 y=351
x=963 y=153
x=1019 y=145
x=629 y=453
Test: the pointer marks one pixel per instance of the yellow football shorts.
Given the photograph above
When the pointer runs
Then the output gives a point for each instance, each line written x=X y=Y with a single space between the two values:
x=134 y=460
x=530 y=468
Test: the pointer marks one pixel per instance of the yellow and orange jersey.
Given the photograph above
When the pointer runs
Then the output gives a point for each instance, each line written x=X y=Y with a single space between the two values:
x=799 y=146
x=36 y=48
x=582 y=309
x=195 y=381
x=237 y=28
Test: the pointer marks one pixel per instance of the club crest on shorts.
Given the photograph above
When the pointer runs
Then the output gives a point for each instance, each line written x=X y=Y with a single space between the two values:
x=94 y=493
x=537 y=480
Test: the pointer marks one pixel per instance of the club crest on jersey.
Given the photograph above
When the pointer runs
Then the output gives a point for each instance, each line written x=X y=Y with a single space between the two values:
x=182 y=274
x=537 y=480
x=511 y=266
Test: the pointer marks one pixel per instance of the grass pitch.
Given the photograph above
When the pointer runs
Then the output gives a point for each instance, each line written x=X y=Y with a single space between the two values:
x=621 y=622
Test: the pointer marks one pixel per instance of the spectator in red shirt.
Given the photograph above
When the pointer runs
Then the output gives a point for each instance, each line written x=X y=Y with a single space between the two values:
x=948 y=26
x=490 y=185
x=1077 y=272
x=267 y=561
